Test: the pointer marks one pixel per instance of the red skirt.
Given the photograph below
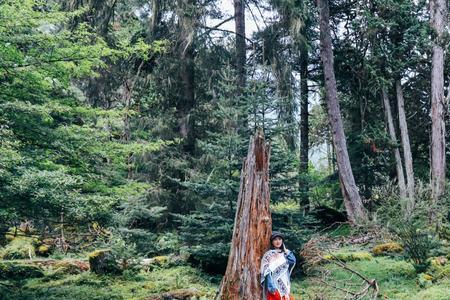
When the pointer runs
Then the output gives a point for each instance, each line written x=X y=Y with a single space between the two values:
x=277 y=296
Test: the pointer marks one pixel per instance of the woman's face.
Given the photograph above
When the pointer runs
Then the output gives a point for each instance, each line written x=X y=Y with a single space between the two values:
x=277 y=242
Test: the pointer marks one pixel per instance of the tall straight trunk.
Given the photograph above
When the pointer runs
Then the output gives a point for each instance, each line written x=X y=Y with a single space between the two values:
x=241 y=55
x=186 y=102
x=252 y=226
x=154 y=19
x=393 y=136
x=438 y=11
x=352 y=199
x=403 y=125
x=286 y=106
x=304 y=130
x=101 y=12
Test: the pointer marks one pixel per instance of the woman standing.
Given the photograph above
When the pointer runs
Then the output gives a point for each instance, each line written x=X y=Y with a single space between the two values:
x=276 y=268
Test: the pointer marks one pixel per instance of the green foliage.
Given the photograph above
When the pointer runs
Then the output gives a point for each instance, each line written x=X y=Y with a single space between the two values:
x=297 y=228
x=207 y=238
x=418 y=244
x=411 y=226
x=60 y=154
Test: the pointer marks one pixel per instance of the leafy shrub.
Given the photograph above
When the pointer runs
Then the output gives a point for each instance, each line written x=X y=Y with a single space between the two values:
x=417 y=244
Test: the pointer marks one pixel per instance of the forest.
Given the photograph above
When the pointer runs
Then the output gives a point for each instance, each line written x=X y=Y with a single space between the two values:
x=129 y=130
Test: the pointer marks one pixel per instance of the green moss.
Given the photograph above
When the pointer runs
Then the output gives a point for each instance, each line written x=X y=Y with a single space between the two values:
x=15 y=271
x=43 y=250
x=19 y=248
x=96 y=253
x=387 y=248
x=89 y=286
x=349 y=256
x=68 y=267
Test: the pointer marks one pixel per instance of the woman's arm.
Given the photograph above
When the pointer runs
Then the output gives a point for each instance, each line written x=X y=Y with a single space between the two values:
x=270 y=285
x=291 y=259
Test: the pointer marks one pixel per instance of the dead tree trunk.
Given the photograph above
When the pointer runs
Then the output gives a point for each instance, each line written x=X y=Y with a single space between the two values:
x=352 y=200
x=252 y=226
x=391 y=130
x=438 y=11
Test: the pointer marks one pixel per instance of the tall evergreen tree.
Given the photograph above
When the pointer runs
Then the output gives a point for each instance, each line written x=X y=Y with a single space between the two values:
x=438 y=12
x=352 y=199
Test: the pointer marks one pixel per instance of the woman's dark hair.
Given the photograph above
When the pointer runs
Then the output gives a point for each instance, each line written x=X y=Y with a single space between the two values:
x=274 y=235
x=273 y=248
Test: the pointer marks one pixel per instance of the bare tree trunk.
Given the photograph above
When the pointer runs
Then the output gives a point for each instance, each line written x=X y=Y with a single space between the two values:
x=391 y=130
x=304 y=130
x=241 y=55
x=352 y=199
x=438 y=11
x=186 y=103
x=252 y=226
x=405 y=142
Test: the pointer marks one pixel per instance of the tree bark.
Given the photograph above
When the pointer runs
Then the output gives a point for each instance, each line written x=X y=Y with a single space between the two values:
x=241 y=54
x=252 y=226
x=186 y=102
x=304 y=130
x=405 y=141
x=438 y=11
x=352 y=199
x=286 y=106
x=155 y=18
x=393 y=136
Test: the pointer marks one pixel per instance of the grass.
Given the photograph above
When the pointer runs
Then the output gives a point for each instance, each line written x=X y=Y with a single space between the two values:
x=396 y=279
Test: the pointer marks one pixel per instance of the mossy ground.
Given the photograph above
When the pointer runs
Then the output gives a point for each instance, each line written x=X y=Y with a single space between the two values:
x=396 y=279
x=95 y=287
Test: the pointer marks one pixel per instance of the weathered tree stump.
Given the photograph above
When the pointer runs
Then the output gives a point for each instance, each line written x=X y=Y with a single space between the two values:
x=252 y=226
